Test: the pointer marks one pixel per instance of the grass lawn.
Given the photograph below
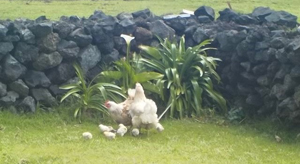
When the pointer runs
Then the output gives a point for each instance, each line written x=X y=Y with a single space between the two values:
x=13 y=9
x=55 y=138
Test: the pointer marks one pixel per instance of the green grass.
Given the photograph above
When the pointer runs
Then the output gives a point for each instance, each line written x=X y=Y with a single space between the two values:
x=18 y=8
x=56 y=138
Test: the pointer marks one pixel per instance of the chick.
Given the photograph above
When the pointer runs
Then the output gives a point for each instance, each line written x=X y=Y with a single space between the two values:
x=277 y=138
x=122 y=130
x=110 y=135
x=104 y=128
x=87 y=135
x=159 y=127
x=135 y=132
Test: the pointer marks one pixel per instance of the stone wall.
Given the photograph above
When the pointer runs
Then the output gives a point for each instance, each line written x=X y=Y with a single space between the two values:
x=260 y=54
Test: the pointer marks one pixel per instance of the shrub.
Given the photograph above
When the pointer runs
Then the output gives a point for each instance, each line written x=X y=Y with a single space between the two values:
x=91 y=95
x=129 y=70
x=188 y=74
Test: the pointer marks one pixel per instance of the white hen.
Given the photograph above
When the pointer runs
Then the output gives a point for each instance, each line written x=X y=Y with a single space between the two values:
x=143 y=110
x=120 y=112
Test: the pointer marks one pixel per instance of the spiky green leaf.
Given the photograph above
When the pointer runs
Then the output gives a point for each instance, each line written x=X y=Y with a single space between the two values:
x=71 y=92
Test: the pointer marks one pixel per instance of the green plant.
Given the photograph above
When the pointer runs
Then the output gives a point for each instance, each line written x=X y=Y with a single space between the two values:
x=129 y=70
x=91 y=95
x=188 y=74
x=236 y=114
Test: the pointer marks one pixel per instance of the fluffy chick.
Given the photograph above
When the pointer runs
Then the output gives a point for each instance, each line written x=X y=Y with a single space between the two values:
x=277 y=138
x=104 y=128
x=159 y=127
x=109 y=135
x=122 y=130
x=87 y=135
x=135 y=132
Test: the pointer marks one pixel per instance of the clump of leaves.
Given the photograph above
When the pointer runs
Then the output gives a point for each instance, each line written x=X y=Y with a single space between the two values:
x=236 y=114
x=91 y=95
x=127 y=71
x=188 y=74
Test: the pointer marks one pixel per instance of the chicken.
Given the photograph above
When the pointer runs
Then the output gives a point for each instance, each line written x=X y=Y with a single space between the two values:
x=135 y=132
x=87 y=135
x=122 y=130
x=129 y=100
x=143 y=110
x=120 y=112
x=104 y=128
x=159 y=127
x=277 y=138
x=109 y=135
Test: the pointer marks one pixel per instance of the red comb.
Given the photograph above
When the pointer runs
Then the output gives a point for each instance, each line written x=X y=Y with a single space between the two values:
x=106 y=102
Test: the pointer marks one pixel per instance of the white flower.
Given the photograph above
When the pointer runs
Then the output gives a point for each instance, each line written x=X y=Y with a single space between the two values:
x=127 y=38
